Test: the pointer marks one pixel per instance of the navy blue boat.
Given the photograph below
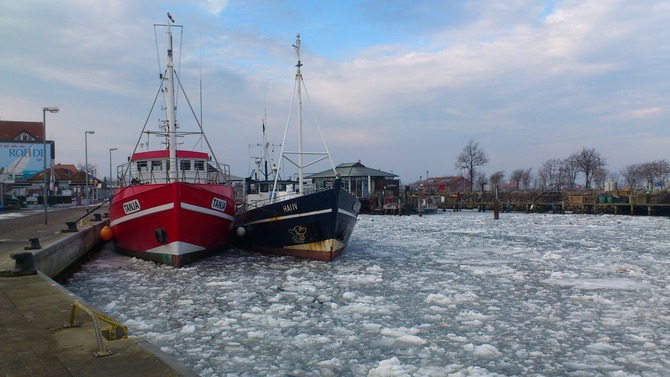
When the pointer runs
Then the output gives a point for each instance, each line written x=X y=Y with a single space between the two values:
x=315 y=226
x=293 y=218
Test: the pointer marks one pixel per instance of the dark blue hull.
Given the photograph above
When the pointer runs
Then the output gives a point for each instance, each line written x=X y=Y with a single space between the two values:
x=314 y=226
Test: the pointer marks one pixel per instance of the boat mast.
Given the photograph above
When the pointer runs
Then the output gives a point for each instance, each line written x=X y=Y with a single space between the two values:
x=172 y=126
x=298 y=79
x=266 y=145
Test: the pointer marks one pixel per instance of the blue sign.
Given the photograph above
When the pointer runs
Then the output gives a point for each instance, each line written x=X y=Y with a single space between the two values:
x=22 y=159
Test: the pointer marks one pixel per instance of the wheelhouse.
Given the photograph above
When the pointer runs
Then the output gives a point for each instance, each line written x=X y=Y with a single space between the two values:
x=154 y=167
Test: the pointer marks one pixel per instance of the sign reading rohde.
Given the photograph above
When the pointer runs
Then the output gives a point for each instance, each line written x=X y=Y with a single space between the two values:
x=23 y=159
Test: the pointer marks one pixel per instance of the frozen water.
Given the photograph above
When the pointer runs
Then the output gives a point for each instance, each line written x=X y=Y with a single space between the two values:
x=449 y=294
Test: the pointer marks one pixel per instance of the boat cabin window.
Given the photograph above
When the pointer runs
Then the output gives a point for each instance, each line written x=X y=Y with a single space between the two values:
x=141 y=165
x=185 y=165
x=156 y=165
x=199 y=164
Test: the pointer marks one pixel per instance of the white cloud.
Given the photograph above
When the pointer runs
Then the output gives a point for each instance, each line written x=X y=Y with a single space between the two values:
x=491 y=72
x=215 y=7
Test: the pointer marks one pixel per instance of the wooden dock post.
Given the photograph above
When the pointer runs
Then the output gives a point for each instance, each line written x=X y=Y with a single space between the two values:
x=563 y=203
x=595 y=205
x=420 y=199
x=496 y=205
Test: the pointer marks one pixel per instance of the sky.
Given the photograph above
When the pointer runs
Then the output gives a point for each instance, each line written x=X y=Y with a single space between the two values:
x=400 y=86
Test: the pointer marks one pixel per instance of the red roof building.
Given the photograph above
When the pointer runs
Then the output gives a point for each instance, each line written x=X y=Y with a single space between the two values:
x=11 y=130
x=444 y=185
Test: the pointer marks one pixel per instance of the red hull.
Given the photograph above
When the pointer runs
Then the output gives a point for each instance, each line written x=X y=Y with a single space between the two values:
x=174 y=223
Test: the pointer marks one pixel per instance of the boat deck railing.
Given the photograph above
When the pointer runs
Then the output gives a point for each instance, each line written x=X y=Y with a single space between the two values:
x=131 y=174
x=277 y=197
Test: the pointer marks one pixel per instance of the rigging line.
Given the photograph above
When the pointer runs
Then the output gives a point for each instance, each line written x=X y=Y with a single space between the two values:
x=161 y=72
x=158 y=55
x=160 y=89
x=266 y=143
x=283 y=142
x=318 y=127
x=200 y=126
x=181 y=42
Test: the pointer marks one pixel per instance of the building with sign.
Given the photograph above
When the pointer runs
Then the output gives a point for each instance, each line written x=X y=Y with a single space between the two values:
x=22 y=150
x=22 y=155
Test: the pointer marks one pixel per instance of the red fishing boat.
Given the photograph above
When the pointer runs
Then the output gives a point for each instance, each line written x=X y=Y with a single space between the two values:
x=173 y=206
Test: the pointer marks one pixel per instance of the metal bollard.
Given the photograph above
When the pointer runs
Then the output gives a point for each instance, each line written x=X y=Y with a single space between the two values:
x=71 y=227
x=34 y=244
x=25 y=264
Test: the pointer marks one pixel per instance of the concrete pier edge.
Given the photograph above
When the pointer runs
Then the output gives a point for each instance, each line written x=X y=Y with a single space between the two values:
x=35 y=307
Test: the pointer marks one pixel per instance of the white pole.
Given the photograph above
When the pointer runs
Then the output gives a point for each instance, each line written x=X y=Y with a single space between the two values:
x=172 y=127
x=109 y=183
x=44 y=157
x=298 y=78
x=86 y=163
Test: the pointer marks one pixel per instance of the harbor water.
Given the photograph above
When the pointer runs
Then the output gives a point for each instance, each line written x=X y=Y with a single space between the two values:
x=446 y=294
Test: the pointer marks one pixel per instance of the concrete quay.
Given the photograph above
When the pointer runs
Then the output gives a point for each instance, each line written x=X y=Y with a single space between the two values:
x=34 y=308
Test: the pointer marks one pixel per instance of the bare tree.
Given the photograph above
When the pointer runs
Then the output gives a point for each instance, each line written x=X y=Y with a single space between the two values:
x=629 y=174
x=83 y=167
x=588 y=160
x=647 y=171
x=480 y=179
x=541 y=180
x=613 y=176
x=663 y=170
x=526 y=178
x=550 y=174
x=470 y=159
x=517 y=176
x=600 y=175
x=568 y=173
x=521 y=177
x=496 y=177
x=654 y=171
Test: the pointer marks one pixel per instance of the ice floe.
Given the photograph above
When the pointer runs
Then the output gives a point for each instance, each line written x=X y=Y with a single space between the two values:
x=449 y=294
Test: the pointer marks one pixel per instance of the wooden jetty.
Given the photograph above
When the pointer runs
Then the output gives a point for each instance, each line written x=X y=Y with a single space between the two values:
x=621 y=202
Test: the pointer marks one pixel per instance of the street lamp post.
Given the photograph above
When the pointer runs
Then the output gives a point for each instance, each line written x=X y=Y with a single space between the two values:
x=44 y=157
x=86 y=162
x=109 y=184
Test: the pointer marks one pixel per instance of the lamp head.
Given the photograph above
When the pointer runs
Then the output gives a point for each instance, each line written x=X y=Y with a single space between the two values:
x=113 y=149
x=90 y=132
x=50 y=109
